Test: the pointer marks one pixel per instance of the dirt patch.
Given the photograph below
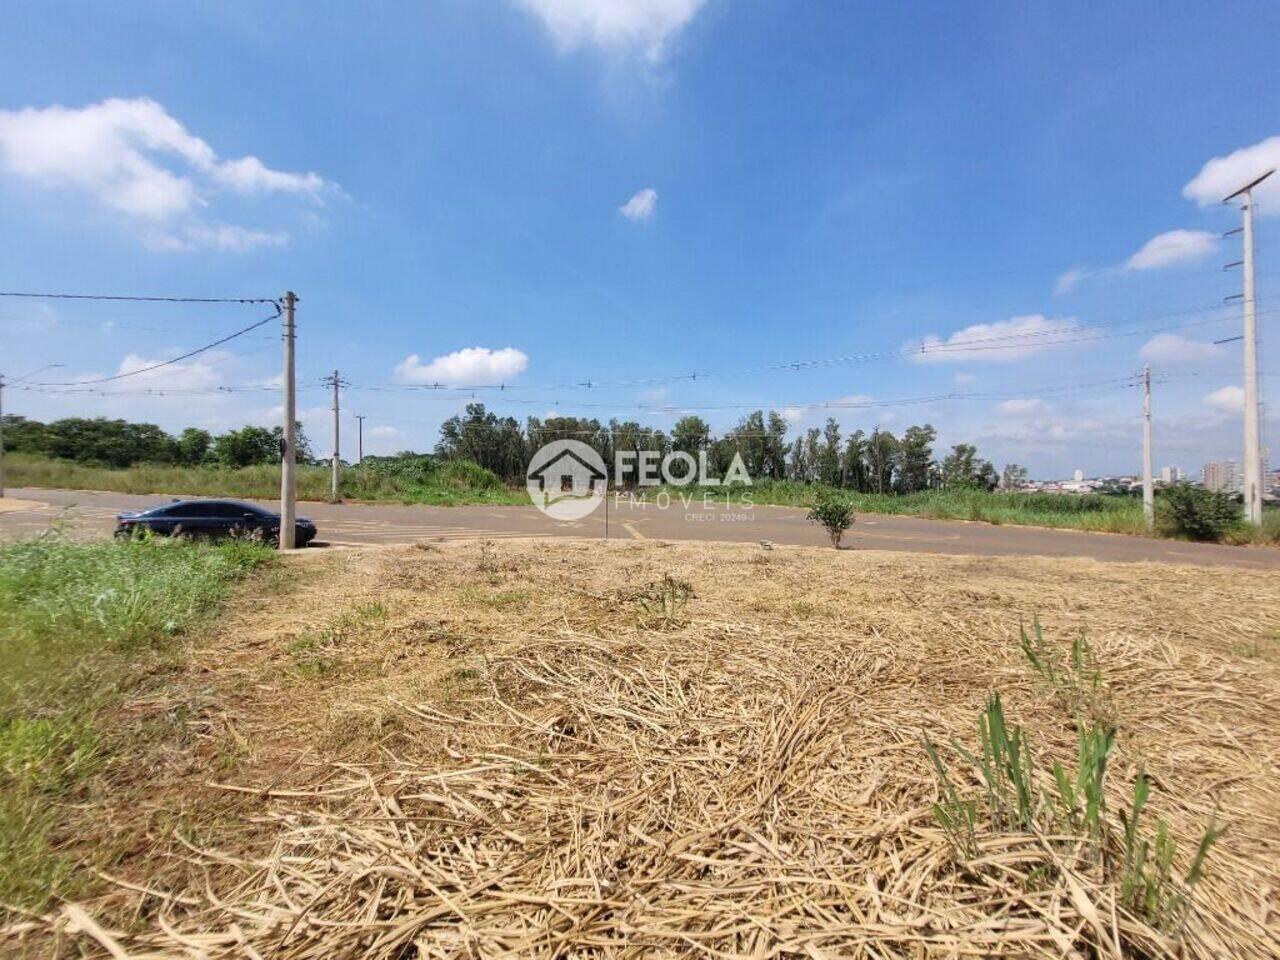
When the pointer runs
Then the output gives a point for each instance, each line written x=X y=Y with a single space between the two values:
x=582 y=749
x=11 y=505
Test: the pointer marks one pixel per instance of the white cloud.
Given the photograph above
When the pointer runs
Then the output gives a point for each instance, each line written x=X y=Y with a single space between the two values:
x=793 y=414
x=132 y=157
x=224 y=237
x=1170 y=348
x=478 y=365
x=1068 y=281
x=196 y=375
x=641 y=206
x=998 y=342
x=620 y=26
x=1022 y=406
x=1171 y=247
x=1225 y=175
x=1226 y=400
x=965 y=379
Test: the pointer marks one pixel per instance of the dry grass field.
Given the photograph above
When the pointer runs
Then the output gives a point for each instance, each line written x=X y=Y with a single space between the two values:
x=578 y=749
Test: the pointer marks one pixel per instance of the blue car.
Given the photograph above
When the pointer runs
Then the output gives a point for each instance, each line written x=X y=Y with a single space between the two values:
x=213 y=519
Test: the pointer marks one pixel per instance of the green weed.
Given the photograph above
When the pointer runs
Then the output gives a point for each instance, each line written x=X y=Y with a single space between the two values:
x=77 y=622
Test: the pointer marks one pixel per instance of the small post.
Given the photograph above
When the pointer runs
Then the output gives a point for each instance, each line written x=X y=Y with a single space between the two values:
x=288 y=446
x=1148 y=484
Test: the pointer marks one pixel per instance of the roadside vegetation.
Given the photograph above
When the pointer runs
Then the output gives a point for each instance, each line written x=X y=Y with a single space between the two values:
x=481 y=458
x=79 y=624
x=423 y=480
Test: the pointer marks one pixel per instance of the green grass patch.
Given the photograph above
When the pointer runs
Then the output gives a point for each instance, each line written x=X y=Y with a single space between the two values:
x=77 y=623
x=415 y=480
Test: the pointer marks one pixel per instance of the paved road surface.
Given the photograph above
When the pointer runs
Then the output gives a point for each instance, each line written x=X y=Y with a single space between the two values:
x=91 y=513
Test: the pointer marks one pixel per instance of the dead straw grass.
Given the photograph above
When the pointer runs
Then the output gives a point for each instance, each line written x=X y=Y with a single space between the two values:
x=745 y=780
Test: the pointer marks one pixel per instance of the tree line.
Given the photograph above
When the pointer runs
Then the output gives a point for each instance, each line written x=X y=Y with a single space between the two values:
x=119 y=443
x=875 y=462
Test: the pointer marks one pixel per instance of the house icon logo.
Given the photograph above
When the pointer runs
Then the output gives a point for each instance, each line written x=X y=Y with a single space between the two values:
x=566 y=480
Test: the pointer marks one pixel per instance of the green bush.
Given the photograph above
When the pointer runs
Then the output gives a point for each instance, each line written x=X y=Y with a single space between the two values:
x=1196 y=513
x=835 y=513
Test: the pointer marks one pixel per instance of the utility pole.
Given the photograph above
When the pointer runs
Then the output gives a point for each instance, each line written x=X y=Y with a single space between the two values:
x=334 y=380
x=1252 y=440
x=1148 y=485
x=360 y=435
x=288 y=447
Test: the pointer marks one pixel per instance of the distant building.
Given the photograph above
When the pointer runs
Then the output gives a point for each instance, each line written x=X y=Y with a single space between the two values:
x=1222 y=476
x=1171 y=474
x=1078 y=476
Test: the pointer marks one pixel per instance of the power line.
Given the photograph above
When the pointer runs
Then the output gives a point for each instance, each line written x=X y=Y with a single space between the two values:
x=164 y=363
x=103 y=296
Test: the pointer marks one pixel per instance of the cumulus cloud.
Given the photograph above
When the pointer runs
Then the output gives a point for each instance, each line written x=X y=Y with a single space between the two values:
x=1173 y=247
x=641 y=206
x=618 y=26
x=999 y=342
x=478 y=365
x=1226 y=400
x=1225 y=175
x=1170 y=348
x=134 y=158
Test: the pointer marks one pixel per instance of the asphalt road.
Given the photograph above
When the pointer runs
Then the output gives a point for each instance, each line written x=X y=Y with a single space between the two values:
x=27 y=512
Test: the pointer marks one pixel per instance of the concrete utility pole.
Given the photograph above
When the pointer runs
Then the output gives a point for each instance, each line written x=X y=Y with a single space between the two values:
x=334 y=380
x=1252 y=440
x=288 y=448
x=1148 y=484
x=360 y=437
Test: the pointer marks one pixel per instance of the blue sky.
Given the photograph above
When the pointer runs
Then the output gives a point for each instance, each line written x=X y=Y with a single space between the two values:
x=542 y=193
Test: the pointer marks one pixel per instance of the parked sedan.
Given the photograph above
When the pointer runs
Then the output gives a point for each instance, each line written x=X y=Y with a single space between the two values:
x=212 y=519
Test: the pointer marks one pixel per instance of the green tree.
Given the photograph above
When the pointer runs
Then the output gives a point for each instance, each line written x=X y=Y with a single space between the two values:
x=828 y=466
x=915 y=458
x=854 y=465
x=194 y=445
x=24 y=436
x=248 y=446
x=962 y=468
x=882 y=450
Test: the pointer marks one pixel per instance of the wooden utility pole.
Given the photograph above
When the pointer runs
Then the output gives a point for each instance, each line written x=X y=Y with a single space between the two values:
x=1148 y=483
x=360 y=437
x=288 y=447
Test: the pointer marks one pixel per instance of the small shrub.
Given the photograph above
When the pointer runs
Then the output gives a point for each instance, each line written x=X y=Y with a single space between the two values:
x=835 y=513
x=1196 y=513
x=662 y=602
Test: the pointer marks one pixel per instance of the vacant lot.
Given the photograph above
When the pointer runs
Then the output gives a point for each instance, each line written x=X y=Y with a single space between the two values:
x=625 y=749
